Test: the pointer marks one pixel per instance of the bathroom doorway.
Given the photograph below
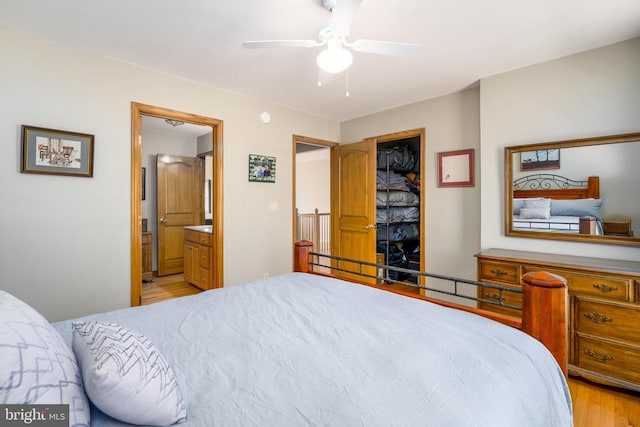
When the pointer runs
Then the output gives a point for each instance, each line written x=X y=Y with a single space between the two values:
x=157 y=130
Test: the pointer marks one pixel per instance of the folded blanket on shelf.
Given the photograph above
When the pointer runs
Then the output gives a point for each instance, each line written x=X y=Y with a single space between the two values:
x=397 y=214
x=397 y=198
x=397 y=232
x=389 y=180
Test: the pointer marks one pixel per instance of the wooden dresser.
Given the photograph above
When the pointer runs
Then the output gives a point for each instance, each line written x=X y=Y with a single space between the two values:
x=604 y=317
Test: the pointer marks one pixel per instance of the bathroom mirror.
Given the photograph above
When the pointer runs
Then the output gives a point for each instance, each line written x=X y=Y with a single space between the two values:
x=585 y=190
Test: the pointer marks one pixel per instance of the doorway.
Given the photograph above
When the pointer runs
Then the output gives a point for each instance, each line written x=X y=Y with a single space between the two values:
x=214 y=195
x=312 y=191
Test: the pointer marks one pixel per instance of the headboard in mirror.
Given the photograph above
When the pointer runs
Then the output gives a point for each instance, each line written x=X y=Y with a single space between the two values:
x=580 y=190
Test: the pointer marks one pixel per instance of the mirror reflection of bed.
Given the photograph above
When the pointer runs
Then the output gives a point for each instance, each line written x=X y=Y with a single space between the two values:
x=553 y=203
x=560 y=171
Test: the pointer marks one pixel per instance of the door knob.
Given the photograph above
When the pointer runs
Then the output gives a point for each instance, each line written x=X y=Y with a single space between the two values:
x=370 y=226
x=162 y=220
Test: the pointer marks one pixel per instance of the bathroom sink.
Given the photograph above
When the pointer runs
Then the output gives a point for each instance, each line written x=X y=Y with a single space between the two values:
x=200 y=228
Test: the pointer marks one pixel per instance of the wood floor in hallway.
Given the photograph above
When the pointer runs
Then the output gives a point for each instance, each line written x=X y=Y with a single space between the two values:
x=166 y=287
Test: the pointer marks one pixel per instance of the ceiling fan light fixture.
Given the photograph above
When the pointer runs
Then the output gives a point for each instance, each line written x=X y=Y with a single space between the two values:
x=334 y=59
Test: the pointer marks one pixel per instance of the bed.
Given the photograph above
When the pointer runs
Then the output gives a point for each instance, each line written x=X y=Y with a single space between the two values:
x=553 y=203
x=305 y=349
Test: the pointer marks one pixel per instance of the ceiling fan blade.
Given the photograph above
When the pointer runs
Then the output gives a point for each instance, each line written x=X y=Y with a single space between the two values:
x=324 y=78
x=254 y=44
x=342 y=15
x=385 y=48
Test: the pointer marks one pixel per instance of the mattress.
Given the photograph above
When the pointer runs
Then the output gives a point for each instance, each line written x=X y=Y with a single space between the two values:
x=302 y=350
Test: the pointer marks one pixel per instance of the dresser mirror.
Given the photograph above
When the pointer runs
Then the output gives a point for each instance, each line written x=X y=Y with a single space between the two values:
x=585 y=190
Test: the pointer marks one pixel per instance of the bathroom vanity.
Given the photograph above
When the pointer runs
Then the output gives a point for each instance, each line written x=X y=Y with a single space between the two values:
x=197 y=256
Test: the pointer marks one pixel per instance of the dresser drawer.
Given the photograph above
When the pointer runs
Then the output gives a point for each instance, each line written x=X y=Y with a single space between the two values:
x=204 y=282
x=499 y=272
x=614 y=359
x=509 y=298
x=197 y=237
x=593 y=284
x=612 y=320
x=204 y=253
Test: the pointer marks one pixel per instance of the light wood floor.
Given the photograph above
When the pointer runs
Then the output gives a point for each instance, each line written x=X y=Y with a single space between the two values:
x=593 y=405
x=600 y=406
x=166 y=287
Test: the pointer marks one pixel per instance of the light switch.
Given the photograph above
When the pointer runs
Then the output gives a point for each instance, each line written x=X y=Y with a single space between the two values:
x=273 y=206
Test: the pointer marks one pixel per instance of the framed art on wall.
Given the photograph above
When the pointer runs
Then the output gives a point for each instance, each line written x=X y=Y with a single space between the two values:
x=56 y=152
x=540 y=159
x=455 y=168
x=262 y=168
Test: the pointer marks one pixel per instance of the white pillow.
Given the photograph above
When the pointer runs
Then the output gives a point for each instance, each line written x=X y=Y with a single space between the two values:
x=534 y=213
x=36 y=365
x=126 y=376
x=536 y=203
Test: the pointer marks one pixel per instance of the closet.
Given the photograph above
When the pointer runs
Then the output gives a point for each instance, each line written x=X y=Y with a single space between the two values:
x=376 y=203
x=398 y=205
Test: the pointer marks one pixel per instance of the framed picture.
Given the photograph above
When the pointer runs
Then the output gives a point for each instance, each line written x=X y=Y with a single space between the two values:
x=540 y=159
x=455 y=168
x=262 y=168
x=56 y=152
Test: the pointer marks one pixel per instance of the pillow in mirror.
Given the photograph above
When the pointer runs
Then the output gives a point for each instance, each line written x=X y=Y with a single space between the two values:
x=577 y=207
x=534 y=213
x=517 y=203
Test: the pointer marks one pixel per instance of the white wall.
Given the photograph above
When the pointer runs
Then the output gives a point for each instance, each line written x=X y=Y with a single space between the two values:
x=313 y=186
x=65 y=245
x=588 y=94
x=451 y=214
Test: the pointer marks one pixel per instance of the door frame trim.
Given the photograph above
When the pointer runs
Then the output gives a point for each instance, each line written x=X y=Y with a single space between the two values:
x=137 y=111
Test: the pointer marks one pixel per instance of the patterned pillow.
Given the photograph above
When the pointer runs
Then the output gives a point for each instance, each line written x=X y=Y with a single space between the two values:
x=534 y=213
x=535 y=209
x=126 y=376
x=37 y=366
x=537 y=203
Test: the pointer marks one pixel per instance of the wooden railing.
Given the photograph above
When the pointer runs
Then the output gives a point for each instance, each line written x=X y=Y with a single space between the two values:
x=316 y=228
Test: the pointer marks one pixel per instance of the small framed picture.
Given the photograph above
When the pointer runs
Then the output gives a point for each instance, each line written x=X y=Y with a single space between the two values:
x=540 y=159
x=56 y=152
x=455 y=168
x=262 y=168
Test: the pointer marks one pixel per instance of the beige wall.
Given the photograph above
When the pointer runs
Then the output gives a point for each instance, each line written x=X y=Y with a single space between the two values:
x=313 y=185
x=451 y=214
x=588 y=94
x=65 y=241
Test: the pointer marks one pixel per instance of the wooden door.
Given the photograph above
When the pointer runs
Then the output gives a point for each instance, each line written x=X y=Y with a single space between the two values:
x=180 y=202
x=353 y=186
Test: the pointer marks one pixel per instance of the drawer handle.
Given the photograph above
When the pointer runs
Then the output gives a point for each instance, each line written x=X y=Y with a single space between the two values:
x=605 y=288
x=598 y=318
x=498 y=272
x=495 y=297
x=598 y=357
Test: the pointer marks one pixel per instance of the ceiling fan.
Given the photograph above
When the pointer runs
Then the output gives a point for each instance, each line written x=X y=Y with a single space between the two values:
x=335 y=36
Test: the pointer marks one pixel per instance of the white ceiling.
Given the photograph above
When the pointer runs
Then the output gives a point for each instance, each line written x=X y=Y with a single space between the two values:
x=463 y=41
